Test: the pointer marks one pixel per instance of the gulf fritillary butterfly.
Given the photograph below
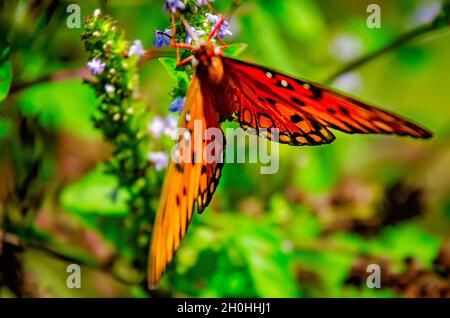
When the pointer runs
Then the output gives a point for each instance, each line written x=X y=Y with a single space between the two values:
x=257 y=97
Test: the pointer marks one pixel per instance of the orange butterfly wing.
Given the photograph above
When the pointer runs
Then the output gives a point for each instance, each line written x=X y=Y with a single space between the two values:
x=188 y=183
x=257 y=98
x=303 y=111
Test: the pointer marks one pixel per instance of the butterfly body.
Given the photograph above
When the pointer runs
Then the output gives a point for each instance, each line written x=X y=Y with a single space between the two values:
x=208 y=62
x=263 y=101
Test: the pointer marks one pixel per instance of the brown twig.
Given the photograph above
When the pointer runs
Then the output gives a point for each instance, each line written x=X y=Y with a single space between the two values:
x=14 y=240
x=55 y=77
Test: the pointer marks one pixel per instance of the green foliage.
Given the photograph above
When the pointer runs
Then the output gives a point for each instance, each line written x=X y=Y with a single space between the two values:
x=96 y=193
x=298 y=233
x=55 y=109
x=181 y=77
x=5 y=73
x=235 y=49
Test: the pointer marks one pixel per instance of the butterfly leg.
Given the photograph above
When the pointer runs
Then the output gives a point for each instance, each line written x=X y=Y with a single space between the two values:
x=217 y=27
x=210 y=7
x=185 y=61
x=179 y=46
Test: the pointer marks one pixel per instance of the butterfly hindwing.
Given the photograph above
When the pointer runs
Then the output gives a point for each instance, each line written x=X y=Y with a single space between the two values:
x=191 y=179
x=303 y=111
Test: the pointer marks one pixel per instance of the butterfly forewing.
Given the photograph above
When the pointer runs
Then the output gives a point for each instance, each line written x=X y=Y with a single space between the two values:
x=302 y=110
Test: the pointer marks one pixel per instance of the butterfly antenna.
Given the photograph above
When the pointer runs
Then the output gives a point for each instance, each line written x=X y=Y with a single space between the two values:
x=232 y=10
x=154 y=54
x=210 y=7
x=176 y=45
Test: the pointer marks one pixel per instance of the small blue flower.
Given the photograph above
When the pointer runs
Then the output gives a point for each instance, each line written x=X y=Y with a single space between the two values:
x=346 y=47
x=173 y=5
x=223 y=30
x=159 y=159
x=349 y=82
x=162 y=38
x=427 y=12
x=171 y=124
x=203 y=2
x=95 y=66
x=157 y=126
x=196 y=32
x=136 y=49
x=177 y=104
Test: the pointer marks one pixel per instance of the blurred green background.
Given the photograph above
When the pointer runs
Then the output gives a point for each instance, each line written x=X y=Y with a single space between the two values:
x=308 y=231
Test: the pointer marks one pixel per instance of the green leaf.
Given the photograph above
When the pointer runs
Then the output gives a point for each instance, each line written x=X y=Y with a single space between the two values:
x=301 y=19
x=170 y=64
x=5 y=74
x=408 y=240
x=94 y=194
x=269 y=267
x=317 y=174
x=264 y=30
x=182 y=78
x=65 y=105
x=235 y=49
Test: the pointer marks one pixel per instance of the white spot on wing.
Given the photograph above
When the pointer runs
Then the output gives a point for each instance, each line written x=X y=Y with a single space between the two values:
x=187 y=135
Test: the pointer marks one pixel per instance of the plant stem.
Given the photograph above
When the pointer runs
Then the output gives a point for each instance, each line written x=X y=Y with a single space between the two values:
x=441 y=21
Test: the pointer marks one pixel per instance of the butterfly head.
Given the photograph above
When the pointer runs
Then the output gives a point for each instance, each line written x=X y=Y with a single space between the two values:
x=208 y=58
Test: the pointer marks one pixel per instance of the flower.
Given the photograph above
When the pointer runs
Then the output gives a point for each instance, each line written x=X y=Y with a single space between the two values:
x=173 y=5
x=95 y=66
x=215 y=19
x=157 y=126
x=136 y=48
x=171 y=125
x=177 y=104
x=346 y=47
x=195 y=32
x=349 y=82
x=203 y=2
x=162 y=38
x=97 y=13
x=109 y=89
x=167 y=126
x=426 y=13
x=159 y=159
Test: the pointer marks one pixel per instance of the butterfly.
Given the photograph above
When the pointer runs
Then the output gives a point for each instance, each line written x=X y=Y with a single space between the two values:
x=260 y=100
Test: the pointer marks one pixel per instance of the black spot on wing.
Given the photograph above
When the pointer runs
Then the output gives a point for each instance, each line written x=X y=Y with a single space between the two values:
x=179 y=167
x=344 y=110
x=296 y=118
x=316 y=91
x=271 y=101
x=298 y=101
